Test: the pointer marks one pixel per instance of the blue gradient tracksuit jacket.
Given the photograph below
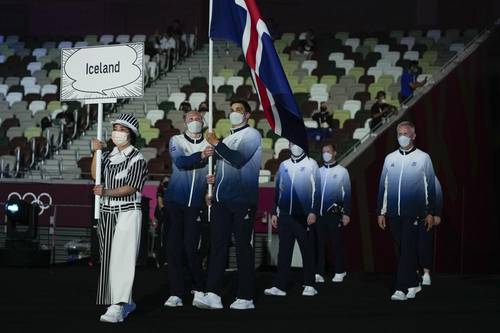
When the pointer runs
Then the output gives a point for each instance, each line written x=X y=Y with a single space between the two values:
x=297 y=190
x=407 y=185
x=188 y=183
x=335 y=188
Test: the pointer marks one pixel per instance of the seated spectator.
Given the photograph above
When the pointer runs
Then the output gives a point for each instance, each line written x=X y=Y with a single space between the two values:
x=381 y=109
x=409 y=81
x=167 y=50
x=323 y=117
x=185 y=106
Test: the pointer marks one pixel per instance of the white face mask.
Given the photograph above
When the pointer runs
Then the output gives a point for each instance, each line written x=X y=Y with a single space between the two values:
x=119 y=138
x=404 y=141
x=195 y=127
x=296 y=151
x=236 y=118
x=327 y=157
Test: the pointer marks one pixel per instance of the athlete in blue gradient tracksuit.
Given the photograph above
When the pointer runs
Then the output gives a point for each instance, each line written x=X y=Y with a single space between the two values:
x=234 y=200
x=297 y=196
x=426 y=239
x=334 y=212
x=184 y=199
x=407 y=199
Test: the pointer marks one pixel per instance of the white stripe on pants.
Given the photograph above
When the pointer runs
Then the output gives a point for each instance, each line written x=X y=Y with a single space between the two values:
x=119 y=237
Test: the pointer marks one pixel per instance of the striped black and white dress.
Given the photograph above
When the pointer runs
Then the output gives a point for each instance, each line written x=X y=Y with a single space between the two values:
x=125 y=168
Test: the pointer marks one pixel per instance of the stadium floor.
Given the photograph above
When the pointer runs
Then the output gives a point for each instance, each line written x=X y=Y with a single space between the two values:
x=61 y=299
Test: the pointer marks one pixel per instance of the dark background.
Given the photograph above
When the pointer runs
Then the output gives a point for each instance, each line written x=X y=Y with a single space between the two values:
x=81 y=17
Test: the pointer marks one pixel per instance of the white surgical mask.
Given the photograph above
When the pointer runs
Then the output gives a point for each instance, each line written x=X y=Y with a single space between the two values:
x=296 y=151
x=195 y=127
x=119 y=138
x=327 y=157
x=403 y=141
x=236 y=118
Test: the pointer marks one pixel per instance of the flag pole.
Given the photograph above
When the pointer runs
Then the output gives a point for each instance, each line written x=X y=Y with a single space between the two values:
x=210 y=97
x=98 y=160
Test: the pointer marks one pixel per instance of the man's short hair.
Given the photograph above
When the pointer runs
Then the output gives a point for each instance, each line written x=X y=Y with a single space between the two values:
x=406 y=123
x=381 y=93
x=330 y=145
x=244 y=103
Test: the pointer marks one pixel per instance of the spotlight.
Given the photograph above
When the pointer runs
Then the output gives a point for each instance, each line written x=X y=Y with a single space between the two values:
x=22 y=247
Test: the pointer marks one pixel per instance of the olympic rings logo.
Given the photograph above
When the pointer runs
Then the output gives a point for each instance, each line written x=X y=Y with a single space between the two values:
x=43 y=200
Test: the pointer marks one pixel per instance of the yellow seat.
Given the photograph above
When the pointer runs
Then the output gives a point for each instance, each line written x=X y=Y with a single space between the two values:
x=370 y=42
x=32 y=132
x=226 y=72
x=357 y=72
x=267 y=143
x=53 y=105
x=342 y=116
x=54 y=74
x=385 y=81
x=150 y=134
x=429 y=56
x=144 y=124
x=329 y=80
x=309 y=81
x=374 y=88
x=300 y=88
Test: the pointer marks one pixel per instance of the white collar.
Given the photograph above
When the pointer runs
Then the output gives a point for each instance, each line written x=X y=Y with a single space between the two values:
x=125 y=152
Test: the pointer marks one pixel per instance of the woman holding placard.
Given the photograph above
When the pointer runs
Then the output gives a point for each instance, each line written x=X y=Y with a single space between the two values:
x=124 y=172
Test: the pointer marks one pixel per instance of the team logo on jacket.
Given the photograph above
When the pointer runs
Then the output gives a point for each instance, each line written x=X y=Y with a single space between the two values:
x=335 y=176
x=392 y=165
x=302 y=169
x=414 y=164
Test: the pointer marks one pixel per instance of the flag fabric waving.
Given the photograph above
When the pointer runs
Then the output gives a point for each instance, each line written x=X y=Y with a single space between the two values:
x=240 y=21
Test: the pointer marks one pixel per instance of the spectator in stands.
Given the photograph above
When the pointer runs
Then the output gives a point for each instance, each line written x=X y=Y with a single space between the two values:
x=406 y=198
x=180 y=37
x=185 y=199
x=334 y=212
x=409 y=82
x=380 y=109
x=323 y=117
x=308 y=45
x=167 y=49
x=124 y=172
x=426 y=238
x=185 y=106
x=152 y=46
x=233 y=210
x=297 y=197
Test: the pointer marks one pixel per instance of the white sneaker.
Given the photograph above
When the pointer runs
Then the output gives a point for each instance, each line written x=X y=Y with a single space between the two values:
x=274 y=292
x=339 y=277
x=426 y=279
x=208 y=301
x=114 y=314
x=319 y=278
x=412 y=292
x=197 y=295
x=309 y=291
x=128 y=309
x=398 y=296
x=173 y=302
x=242 y=304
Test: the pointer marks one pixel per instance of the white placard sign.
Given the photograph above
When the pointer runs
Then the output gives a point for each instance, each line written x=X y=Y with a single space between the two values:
x=102 y=72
